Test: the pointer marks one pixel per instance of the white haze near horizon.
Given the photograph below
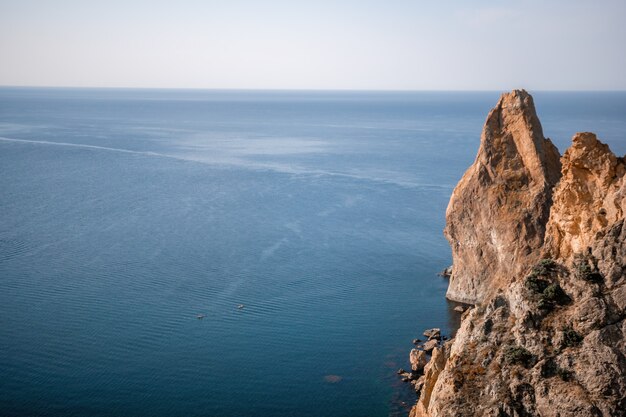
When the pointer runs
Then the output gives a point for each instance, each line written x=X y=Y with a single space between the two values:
x=322 y=44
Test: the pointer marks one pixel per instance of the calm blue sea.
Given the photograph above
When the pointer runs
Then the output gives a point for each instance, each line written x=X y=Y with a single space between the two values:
x=126 y=213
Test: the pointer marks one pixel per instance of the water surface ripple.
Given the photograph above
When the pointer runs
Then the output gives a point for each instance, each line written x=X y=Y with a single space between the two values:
x=128 y=213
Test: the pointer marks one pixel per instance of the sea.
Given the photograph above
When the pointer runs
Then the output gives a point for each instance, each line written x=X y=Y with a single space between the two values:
x=234 y=253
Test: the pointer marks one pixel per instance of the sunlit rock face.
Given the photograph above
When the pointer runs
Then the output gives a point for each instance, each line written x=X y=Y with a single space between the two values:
x=543 y=256
x=590 y=196
x=495 y=221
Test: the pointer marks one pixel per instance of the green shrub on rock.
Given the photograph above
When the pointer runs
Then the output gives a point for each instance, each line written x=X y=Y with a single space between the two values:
x=535 y=284
x=564 y=374
x=550 y=369
x=517 y=355
x=585 y=271
x=549 y=294
x=543 y=268
x=571 y=338
x=553 y=293
x=547 y=263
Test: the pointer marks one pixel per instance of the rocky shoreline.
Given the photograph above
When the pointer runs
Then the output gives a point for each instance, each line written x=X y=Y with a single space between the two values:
x=419 y=357
x=539 y=249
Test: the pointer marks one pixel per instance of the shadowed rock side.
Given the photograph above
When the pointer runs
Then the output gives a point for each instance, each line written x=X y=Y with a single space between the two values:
x=497 y=213
x=551 y=338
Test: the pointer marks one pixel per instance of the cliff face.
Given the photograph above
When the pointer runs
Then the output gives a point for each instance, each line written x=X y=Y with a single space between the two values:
x=590 y=197
x=548 y=338
x=496 y=217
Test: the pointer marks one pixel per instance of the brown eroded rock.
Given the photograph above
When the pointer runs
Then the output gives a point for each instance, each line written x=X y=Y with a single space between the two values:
x=418 y=360
x=432 y=333
x=431 y=373
x=418 y=384
x=590 y=196
x=497 y=213
x=511 y=358
x=430 y=345
x=548 y=338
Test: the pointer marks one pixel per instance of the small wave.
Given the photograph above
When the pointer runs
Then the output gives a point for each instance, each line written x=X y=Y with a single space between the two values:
x=239 y=163
x=12 y=248
x=269 y=252
x=82 y=145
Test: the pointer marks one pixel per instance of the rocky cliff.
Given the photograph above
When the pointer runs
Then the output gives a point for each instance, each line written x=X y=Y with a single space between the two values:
x=542 y=253
x=590 y=197
x=496 y=217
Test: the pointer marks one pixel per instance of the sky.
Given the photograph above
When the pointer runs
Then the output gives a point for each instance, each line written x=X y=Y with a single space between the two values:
x=318 y=44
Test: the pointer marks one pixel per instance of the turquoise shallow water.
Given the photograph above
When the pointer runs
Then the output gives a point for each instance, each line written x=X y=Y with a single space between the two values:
x=126 y=213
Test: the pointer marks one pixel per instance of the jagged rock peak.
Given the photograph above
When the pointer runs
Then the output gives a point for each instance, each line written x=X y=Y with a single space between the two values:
x=590 y=196
x=495 y=221
x=513 y=127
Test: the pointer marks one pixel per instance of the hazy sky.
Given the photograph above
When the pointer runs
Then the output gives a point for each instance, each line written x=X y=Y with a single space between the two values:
x=319 y=44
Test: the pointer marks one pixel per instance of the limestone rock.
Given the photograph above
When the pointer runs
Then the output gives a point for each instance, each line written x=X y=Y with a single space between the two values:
x=590 y=196
x=430 y=345
x=432 y=333
x=547 y=337
x=431 y=374
x=495 y=221
x=406 y=376
x=418 y=384
x=418 y=360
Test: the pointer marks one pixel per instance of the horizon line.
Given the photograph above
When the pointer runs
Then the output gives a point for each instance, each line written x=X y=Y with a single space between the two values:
x=242 y=89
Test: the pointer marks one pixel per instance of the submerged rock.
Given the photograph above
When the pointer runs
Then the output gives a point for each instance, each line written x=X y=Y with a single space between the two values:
x=333 y=379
